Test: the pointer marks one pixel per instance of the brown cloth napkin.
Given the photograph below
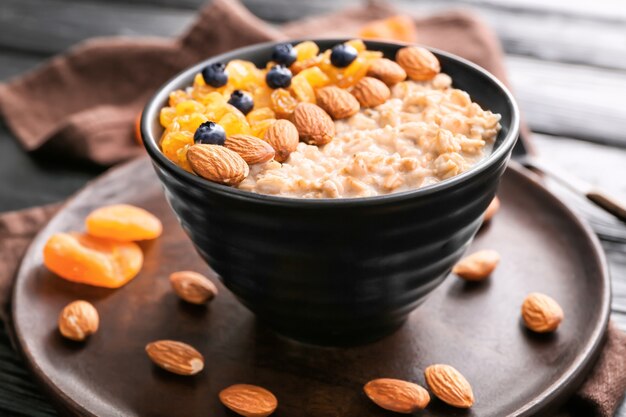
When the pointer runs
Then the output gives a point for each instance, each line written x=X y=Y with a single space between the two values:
x=85 y=102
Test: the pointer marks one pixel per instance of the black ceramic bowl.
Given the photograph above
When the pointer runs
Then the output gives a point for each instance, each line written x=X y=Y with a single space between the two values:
x=335 y=271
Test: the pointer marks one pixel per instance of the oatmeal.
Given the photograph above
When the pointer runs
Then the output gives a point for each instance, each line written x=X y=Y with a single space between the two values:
x=342 y=123
x=426 y=132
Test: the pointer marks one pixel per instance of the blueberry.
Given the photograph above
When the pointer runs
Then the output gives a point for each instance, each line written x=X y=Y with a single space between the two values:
x=242 y=101
x=210 y=133
x=215 y=75
x=343 y=55
x=284 y=54
x=278 y=77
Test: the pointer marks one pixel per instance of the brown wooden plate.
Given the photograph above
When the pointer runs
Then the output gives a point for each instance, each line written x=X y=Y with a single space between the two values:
x=474 y=327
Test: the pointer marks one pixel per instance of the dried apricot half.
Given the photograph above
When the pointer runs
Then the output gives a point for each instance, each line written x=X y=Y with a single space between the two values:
x=123 y=222
x=90 y=260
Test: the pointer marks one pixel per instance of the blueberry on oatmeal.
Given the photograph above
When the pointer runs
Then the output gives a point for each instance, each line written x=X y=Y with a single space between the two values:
x=278 y=76
x=284 y=54
x=343 y=55
x=210 y=133
x=215 y=75
x=242 y=101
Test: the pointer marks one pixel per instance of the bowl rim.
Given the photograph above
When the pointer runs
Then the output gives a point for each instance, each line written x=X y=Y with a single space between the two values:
x=153 y=107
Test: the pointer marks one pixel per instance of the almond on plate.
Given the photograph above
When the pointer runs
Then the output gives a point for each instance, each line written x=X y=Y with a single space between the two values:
x=371 y=92
x=387 y=71
x=78 y=320
x=397 y=395
x=541 y=313
x=175 y=357
x=282 y=135
x=193 y=287
x=252 y=149
x=477 y=266
x=218 y=164
x=314 y=125
x=249 y=400
x=337 y=102
x=449 y=386
x=419 y=63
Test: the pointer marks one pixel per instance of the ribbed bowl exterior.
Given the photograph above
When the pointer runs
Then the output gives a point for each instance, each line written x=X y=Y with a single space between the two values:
x=332 y=272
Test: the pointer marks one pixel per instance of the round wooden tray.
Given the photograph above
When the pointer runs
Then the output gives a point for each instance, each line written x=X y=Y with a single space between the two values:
x=474 y=327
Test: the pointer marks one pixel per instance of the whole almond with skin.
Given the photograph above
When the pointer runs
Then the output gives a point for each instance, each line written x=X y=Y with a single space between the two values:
x=252 y=149
x=371 y=92
x=449 y=386
x=337 y=102
x=218 y=164
x=419 y=63
x=387 y=71
x=397 y=395
x=541 y=313
x=78 y=320
x=314 y=125
x=175 y=357
x=249 y=400
x=492 y=209
x=193 y=287
x=282 y=135
x=477 y=266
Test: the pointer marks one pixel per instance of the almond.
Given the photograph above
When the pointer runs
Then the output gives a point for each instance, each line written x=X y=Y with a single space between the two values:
x=477 y=266
x=541 y=313
x=175 y=357
x=449 y=386
x=419 y=63
x=282 y=135
x=249 y=400
x=337 y=102
x=78 y=320
x=252 y=149
x=492 y=209
x=371 y=92
x=314 y=125
x=397 y=395
x=218 y=164
x=193 y=287
x=387 y=71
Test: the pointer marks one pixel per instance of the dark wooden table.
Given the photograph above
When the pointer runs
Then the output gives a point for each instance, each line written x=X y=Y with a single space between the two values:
x=567 y=63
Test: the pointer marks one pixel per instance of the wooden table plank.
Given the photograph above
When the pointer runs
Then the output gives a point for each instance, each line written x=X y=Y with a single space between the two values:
x=15 y=63
x=570 y=100
x=51 y=26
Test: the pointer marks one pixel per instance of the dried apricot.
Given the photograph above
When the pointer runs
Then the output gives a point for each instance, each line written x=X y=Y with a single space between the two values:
x=398 y=28
x=302 y=89
x=167 y=115
x=306 y=50
x=260 y=114
x=173 y=141
x=178 y=96
x=243 y=75
x=315 y=77
x=259 y=128
x=234 y=123
x=123 y=222
x=283 y=103
x=190 y=122
x=90 y=260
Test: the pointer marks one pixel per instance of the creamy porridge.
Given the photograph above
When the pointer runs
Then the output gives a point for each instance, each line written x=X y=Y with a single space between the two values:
x=341 y=123
x=426 y=132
